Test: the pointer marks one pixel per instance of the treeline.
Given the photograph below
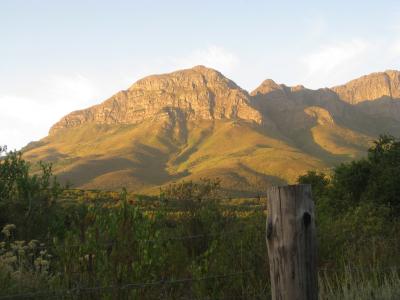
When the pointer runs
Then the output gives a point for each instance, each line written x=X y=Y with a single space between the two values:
x=189 y=244
x=358 y=207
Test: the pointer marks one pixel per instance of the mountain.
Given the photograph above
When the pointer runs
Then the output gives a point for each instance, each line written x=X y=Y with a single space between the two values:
x=377 y=94
x=195 y=94
x=197 y=123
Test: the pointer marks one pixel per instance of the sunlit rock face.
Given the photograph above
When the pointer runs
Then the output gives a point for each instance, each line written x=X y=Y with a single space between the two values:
x=377 y=94
x=199 y=93
x=370 y=87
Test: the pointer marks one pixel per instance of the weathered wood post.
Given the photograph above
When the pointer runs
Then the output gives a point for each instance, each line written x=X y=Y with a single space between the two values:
x=291 y=241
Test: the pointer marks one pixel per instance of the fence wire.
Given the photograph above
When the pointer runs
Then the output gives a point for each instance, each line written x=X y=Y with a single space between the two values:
x=161 y=240
x=127 y=286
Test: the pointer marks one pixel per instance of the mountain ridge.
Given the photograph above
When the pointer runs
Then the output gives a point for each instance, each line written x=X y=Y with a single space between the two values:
x=196 y=123
x=200 y=85
x=365 y=88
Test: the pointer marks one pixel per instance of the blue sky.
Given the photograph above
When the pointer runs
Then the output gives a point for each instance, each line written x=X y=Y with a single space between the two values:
x=59 y=56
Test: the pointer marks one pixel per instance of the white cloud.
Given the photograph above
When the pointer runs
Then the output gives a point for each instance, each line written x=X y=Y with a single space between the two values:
x=336 y=63
x=330 y=57
x=395 y=49
x=213 y=56
x=78 y=89
x=20 y=121
x=11 y=137
x=27 y=115
x=394 y=45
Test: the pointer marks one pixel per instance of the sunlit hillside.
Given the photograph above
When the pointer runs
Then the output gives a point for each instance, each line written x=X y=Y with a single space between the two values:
x=197 y=123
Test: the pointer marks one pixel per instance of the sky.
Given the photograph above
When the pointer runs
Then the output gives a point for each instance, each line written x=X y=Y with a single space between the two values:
x=60 y=56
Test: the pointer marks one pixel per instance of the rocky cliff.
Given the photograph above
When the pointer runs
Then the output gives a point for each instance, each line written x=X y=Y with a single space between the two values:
x=199 y=93
x=376 y=94
x=371 y=87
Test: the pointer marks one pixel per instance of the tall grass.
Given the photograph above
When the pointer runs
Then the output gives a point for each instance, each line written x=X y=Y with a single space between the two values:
x=360 y=284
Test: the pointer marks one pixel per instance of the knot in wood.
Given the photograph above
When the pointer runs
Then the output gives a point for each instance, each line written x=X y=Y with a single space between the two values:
x=306 y=219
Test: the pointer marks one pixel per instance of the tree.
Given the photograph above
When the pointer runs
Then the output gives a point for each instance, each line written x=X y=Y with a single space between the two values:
x=318 y=180
x=26 y=199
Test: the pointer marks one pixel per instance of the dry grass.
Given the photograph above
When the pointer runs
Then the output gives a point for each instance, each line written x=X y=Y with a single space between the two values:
x=362 y=284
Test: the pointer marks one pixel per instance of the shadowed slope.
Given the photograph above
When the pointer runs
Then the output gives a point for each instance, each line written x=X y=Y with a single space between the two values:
x=197 y=123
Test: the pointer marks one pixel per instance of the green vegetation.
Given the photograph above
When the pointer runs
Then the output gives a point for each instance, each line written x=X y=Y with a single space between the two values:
x=358 y=206
x=187 y=242
x=28 y=201
x=183 y=244
x=358 y=220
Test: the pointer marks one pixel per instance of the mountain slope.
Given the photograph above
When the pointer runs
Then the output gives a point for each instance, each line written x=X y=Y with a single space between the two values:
x=197 y=123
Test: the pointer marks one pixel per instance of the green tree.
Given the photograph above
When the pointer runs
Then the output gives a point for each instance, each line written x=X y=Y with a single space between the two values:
x=318 y=180
x=26 y=199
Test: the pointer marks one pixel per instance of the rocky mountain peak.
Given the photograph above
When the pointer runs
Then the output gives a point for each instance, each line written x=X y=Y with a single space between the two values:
x=266 y=87
x=197 y=93
x=371 y=87
x=196 y=77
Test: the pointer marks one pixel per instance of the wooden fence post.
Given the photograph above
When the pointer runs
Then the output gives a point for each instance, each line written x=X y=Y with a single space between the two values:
x=291 y=241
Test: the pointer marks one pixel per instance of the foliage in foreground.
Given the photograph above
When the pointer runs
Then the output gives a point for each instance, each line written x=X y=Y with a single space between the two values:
x=358 y=207
x=186 y=243
x=26 y=200
x=184 y=246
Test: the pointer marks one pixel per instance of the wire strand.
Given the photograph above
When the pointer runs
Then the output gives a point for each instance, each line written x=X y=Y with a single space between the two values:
x=127 y=286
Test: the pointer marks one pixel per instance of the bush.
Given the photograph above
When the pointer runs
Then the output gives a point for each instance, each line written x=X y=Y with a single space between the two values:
x=26 y=199
x=358 y=207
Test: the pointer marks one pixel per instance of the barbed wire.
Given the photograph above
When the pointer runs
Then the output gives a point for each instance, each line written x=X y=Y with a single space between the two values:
x=255 y=194
x=371 y=268
x=127 y=286
x=160 y=240
x=183 y=208
x=371 y=239
x=147 y=205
